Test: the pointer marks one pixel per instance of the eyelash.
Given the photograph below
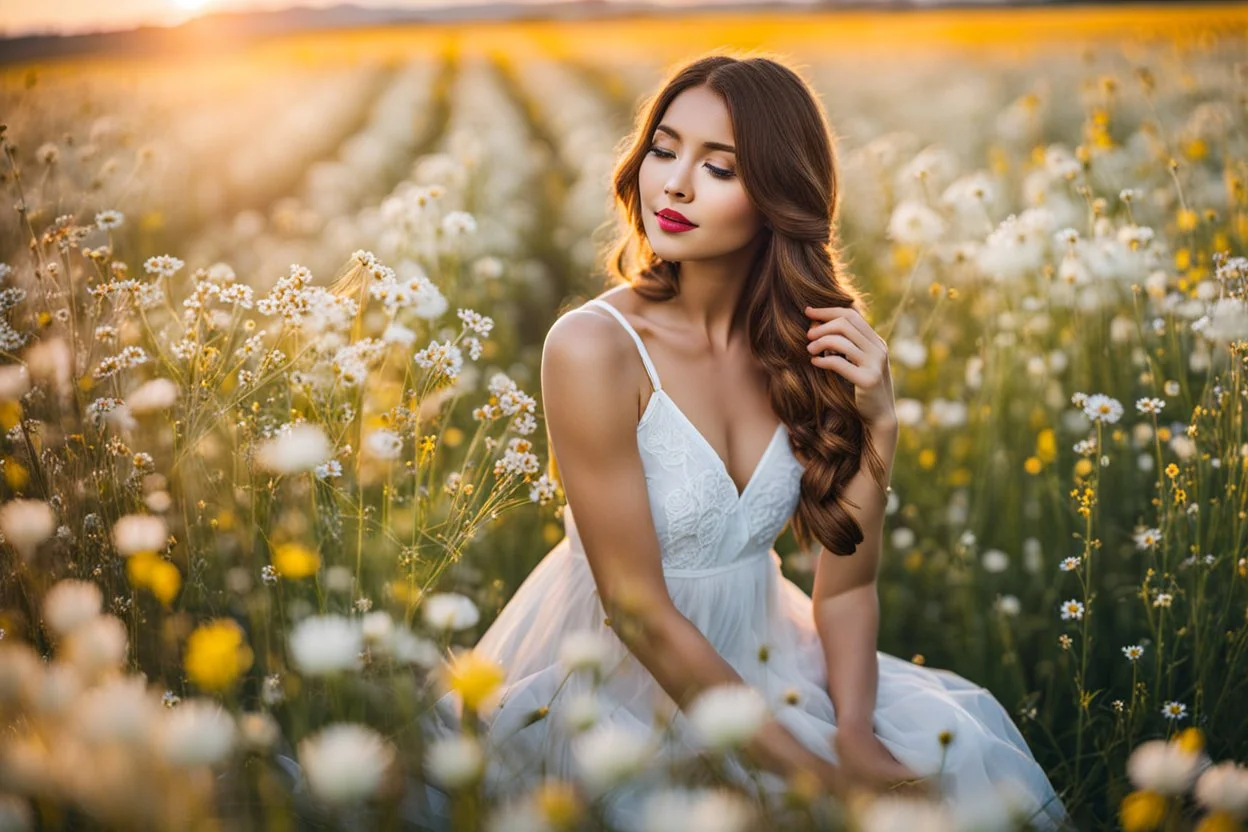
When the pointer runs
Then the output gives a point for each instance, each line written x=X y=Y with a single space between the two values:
x=719 y=173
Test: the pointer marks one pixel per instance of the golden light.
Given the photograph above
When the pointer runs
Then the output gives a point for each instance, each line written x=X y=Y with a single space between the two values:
x=190 y=5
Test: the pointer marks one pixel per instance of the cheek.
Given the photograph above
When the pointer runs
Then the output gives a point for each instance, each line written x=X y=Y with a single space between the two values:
x=739 y=213
x=648 y=178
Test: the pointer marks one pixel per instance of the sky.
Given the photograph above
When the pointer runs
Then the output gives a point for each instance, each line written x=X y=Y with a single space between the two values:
x=22 y=17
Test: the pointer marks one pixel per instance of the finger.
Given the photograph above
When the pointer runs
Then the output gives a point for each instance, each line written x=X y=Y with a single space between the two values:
x=848 y=314
x=843 y=328
x=842 y=365
x=837 y=344
x=825 y=313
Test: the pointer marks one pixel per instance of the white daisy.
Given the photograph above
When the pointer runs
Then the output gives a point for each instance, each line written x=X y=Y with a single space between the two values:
x=1072 y=609
x=1174 y=710
x=345 y=762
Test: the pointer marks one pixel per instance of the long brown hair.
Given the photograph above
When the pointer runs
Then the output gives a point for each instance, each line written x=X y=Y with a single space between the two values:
x=787 y=162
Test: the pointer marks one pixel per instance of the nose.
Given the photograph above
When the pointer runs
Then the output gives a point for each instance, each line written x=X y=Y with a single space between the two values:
x=676 y=185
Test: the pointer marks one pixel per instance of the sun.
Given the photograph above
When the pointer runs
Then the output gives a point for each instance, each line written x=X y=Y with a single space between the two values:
x=190 y=5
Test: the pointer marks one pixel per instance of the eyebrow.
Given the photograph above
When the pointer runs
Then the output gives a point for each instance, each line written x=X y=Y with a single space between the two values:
x=709 y=145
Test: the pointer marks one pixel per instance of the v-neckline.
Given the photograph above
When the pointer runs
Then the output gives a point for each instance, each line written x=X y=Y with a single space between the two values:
x=723 y=466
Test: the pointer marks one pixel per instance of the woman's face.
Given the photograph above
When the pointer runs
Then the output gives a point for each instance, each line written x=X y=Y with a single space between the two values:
x=691 y=169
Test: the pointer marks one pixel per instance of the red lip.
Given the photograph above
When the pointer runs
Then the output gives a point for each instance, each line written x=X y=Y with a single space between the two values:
x=676 y=216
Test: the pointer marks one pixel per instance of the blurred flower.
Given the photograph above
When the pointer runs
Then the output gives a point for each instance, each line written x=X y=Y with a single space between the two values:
x=1008 y=605
x=322 y=645
x=474 y=677
x=409 y=648
x=1142 y=811
x=580 y=711
x=119 y=709
x=70 y=603
x=902 y=814
x=109 y=219
x=377 y=629
x=607 y=754
x=584 y=650
x=163 y=265
x=345 y=762
x=1162 y=767
x=995 y=561
x=258 y=730
x=135 y=533
x=96 y=645
x=914 y=224
x=728 y=716
x=152 y=396
x=1224 y=788
x=1133 y=652
x=296 y=448
x=684 y=810
x=216 y=655
x=383 y=444
x=14 y=382
x=455 y=761
x=909 y=352
x=26 y=523
x=147 y=570
x=449 y=611
x=197 y=733
x=458 y=224
x=295 y=561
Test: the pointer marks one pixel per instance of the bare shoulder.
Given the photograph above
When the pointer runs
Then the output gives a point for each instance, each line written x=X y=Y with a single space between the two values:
x=588 y=367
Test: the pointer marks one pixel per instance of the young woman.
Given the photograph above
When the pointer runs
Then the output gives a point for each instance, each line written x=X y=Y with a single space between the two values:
x=729 y=386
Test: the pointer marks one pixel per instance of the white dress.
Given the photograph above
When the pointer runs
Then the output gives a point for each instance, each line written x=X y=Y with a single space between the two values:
x=724 y=576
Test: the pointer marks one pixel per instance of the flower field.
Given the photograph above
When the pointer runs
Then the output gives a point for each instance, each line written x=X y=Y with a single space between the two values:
x=273 y=452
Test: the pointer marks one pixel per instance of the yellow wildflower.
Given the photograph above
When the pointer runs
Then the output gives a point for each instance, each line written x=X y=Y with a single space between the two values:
x=1046 y=445
x=295 y=561
x=10 y=414
x=1218 y=822
x=559 y=804
x=1190 y=740
x=148 y=570
x=1142 y=811
x=15 y=474
x=165 y=581
x=474 y=677
x=216 y=655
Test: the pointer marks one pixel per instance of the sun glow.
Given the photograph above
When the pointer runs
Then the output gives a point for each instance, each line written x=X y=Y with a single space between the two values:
x=191 y=5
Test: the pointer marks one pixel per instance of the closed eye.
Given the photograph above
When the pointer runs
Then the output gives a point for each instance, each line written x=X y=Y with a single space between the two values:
x=662 y=153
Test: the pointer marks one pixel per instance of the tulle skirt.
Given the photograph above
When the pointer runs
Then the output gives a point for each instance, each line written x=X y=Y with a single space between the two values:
x=762 y=624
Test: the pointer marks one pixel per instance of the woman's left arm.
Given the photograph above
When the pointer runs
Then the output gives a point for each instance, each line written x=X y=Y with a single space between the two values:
x=845 y=601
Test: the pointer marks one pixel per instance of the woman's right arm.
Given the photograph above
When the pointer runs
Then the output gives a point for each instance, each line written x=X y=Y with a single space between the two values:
x=589 y=372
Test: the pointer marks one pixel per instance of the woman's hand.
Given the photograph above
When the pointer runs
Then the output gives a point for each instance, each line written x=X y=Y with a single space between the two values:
x=869 y=765
x=841 y=340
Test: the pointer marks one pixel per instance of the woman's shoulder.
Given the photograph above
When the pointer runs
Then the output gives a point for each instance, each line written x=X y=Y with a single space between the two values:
x=586 y=337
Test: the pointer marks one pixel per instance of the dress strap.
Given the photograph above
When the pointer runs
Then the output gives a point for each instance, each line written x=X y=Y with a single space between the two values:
x=641 y=348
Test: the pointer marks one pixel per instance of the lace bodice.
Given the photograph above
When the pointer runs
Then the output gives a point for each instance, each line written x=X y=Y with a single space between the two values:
x=703 y=524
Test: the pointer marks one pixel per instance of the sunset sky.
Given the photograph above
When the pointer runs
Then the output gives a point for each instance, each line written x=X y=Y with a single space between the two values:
x=19 y=17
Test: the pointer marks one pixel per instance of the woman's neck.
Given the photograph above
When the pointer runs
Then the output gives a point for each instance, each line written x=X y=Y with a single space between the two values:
x=710 y=291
